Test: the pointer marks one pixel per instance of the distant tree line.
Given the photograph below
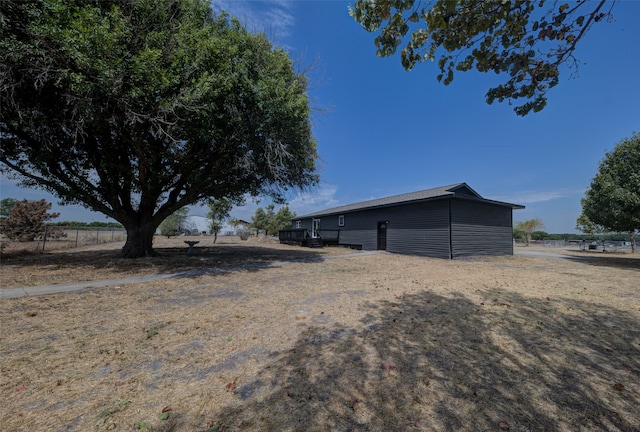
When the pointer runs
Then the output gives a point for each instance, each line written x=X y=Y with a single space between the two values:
x=542 y=235
x=87 y=224
x=530 y=230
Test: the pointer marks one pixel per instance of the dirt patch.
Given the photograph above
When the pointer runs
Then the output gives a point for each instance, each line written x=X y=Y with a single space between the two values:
x=377 y=342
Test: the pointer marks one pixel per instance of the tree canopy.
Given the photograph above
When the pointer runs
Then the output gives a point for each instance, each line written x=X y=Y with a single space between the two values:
x=282 y=219
x=525 y=229
x=261 y=219
x=27 y=219
x=218 y=213
x=137 y=108
x=584 y=225
x=612 y=201
x=6 y=205
x=174 y=223
x=271 y=221
x=525 y=40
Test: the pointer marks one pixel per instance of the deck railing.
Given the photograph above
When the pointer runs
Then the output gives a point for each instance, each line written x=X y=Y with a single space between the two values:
x=303 y=236
x=332 y=236
x=298 y=236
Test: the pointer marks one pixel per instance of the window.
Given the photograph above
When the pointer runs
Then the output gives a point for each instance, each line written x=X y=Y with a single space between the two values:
x=341 y=220
x=298 y=224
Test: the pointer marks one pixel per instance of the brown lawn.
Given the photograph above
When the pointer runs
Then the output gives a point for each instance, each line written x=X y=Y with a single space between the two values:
x=364 y=342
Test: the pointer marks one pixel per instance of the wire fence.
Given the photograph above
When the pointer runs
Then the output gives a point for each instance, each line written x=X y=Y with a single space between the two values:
x=49 y=237
x=606 y=245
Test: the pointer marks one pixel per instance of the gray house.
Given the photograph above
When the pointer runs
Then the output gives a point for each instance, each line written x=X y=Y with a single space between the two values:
x=446 y=222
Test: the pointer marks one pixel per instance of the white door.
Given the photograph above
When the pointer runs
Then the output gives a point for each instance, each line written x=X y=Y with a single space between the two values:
x=315 y=227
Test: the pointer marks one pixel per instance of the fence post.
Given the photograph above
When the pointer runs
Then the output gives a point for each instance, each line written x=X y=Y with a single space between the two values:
x=97 y=235
x=77 y=233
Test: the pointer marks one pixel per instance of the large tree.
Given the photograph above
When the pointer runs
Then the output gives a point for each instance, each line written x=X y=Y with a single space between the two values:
x=281 y=219
x=261 y=219
x=137 y=108
x=525 y=40
x=271 y=221
x=612 y=201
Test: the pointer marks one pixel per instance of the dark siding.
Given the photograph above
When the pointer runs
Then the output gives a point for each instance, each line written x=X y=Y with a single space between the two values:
x=305 y=224
x=477 y=228
x=366 y=239
x=420 y=229
x=328 y=222
x=361 y=228
x=480 y=229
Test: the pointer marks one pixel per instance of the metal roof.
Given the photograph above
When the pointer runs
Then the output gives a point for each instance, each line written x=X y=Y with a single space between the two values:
x=423 y=195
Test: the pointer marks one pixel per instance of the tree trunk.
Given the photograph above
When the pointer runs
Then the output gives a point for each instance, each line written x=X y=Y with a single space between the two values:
x=632 y=237
x=139 y=241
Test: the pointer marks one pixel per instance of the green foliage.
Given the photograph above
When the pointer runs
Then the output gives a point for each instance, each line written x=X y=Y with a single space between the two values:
x=518 y=234
x=282 y=219
x=612 y=201
x=270 y=221
x=526 y=228
x=261 y=218
x=586 y=226
x=137 y=108
x=524 y=40
x=94 y=224
x=104 y=224
x=539 y=235
x=27 y=219
x=579 y=237
x=219 y=210
x=6 y=205
x=173 y=224
x=234 y=222
x=242 y=233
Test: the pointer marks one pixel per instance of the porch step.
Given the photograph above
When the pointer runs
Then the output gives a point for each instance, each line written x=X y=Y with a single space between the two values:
x=316 y=243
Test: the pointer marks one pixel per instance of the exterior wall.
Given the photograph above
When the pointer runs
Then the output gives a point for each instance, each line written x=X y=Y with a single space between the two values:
x=360 y=228
x=304 y=224
x=420 y=229
x=479 y=228
x=417 y=229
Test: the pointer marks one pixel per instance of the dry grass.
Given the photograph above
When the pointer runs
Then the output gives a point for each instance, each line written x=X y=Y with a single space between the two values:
x=22 y=267
x=72 y=238
x=371 y=342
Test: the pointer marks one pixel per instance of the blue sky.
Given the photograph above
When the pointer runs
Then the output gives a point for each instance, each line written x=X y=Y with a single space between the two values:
x=384 y=131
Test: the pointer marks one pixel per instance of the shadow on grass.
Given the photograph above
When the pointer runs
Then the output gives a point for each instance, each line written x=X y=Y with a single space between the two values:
x=604 y=260
x=170 y=260
x=428 y=362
